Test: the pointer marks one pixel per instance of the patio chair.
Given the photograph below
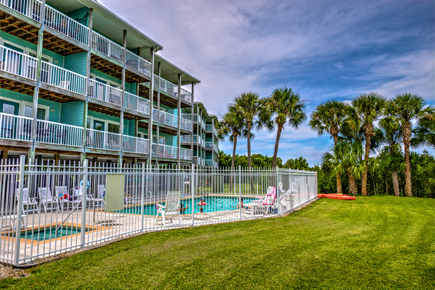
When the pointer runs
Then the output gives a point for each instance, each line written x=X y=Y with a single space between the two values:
x=264 y=204
x=11 y=220
x=98 y=201
x=63 y=196
x=49 y=202
x=30 y=203
x=171 y=207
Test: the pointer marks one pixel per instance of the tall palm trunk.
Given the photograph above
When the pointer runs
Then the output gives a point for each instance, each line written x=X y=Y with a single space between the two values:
x=396 y=183
x=352 y=183
x=233 y=160
x=249 y=153
x=275 y=153
x=366 y=158
x=338 y=176
x=406 y=142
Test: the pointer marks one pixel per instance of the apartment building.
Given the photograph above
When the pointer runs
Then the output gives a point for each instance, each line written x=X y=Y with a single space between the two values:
x=205 y=141
x=78 y=82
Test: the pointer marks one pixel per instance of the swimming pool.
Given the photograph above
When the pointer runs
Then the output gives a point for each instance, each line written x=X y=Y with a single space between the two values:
x=215 y=204
x=48 y=233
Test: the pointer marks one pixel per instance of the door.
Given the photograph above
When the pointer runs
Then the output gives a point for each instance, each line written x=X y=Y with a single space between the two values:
x=99 y=136
x=113 y=140
x=9 y=119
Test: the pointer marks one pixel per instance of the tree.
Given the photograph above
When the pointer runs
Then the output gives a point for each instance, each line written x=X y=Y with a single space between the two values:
x=424 y=134
x=367 y=109
x=392 y=137
x=249 y=107
x=283 y=105
x=406 y=108
x=234 y=125
x=298 y=164
x=327 y=119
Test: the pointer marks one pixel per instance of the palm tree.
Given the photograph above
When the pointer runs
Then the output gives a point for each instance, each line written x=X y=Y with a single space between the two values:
x=367 y=109
x=424 y=134
x=406 y=108
x=327 y=119
x=285 y=104
x=249 y=106
x=392 y=137
x=235 y=126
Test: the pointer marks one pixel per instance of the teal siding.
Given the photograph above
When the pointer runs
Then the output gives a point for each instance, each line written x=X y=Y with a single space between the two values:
x=54 y=108
x=80 y=15
x=105 y=76
x=72 y=113
x=209 y=155
x=103 y=116
x=57 y=58
x=76 y=63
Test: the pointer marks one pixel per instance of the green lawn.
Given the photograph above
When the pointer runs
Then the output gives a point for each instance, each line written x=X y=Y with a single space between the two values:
x=369 y=243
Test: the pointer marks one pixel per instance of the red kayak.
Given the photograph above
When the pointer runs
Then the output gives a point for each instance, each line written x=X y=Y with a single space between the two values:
x=336 y=196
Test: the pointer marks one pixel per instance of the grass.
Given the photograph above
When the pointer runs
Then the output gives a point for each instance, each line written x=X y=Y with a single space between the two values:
x=369 y=243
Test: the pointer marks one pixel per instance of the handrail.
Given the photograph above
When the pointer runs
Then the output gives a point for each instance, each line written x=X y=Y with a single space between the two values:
x=135 y=144
x=103 y=140
x=165 y=118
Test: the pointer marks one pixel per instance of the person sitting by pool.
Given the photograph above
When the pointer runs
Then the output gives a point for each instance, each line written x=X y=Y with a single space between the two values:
x=201 y=204
x=183 y=209
x=241 y=202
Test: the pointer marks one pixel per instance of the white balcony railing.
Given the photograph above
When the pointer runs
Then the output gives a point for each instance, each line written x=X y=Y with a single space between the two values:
x=135 y=145
x=59 y=134
x=210 y=128
x=215 y=163
x=211 y=145
x=137 y=63
x=186 y=139
x=165 y=118
x=199 y=161
x=185 y=154
x=186 y=124
x=20 y=128
x=165 y=86
x=104 y=93
x=136 y=103
x=23 y=65
x=102 y=140
x=198 y=118
x=199 y=140
x=186 y=95
x=65 y=25
x=53 y=18
x=107 y=47
x=208 y=162
x=164 y=151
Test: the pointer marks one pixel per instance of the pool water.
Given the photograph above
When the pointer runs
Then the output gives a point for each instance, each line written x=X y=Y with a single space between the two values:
x=215 y=204
x=43 y=234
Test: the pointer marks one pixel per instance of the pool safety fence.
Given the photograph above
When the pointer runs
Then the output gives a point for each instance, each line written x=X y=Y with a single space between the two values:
x=47 y=208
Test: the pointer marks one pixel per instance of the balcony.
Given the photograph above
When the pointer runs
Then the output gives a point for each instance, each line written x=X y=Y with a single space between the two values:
x=111 y=141
x=186 y=124
x=210 y=128
x=186 y=154
x=186 y=139
x=197 y=139
x=165 y=118
x=135 y=145
x=199 y=161
x=56 y=22
x=196 y=117
x=211 y=145
x=19 y=128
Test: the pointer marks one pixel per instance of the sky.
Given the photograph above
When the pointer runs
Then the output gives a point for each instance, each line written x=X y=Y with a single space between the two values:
x=322 y=49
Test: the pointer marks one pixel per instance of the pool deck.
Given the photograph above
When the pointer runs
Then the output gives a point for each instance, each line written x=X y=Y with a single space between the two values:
x=108 y=226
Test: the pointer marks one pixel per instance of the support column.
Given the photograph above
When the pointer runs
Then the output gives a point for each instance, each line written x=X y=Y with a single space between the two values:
x=150 y=121
x=88 y=79
x=121 y=117
x=38 y=82
x=158 y=109
x=179 y=121
x=191 y=117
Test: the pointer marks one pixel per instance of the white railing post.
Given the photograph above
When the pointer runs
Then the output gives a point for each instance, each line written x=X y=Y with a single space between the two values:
x=19 y=211
x=84 y=197
x=240 y=188
x=192 y=190
x=144 y=188
x=278 y=192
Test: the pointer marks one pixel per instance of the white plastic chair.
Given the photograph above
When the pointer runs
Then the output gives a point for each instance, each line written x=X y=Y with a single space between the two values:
x=171 y=208
x=62 y=191
x=30 y=203
x=49 y=202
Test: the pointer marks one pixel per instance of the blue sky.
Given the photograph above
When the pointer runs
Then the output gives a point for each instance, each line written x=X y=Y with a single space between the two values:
x=322 y=49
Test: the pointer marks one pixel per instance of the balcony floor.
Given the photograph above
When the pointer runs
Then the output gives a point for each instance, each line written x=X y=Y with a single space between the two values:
x=25 y=28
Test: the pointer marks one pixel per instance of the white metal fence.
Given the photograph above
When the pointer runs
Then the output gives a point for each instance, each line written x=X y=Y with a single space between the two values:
x=47 y=209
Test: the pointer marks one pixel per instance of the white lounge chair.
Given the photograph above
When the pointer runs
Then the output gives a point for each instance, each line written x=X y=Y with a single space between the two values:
x=30 y=203
x=171 y=207
x=48 y=201
x=11 y=220
x=98 y=201
x=62 y=191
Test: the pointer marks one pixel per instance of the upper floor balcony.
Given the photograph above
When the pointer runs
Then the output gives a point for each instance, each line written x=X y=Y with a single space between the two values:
x=211 y=128
x=199 y=161
x=19 y=128
x=68 y=36
x=67 y=84
x=212 y=145
x=171 y=120
x=196 y=118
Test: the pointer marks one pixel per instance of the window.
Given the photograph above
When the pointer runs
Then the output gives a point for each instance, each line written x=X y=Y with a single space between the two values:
x=40 y=115
x=113 y=128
